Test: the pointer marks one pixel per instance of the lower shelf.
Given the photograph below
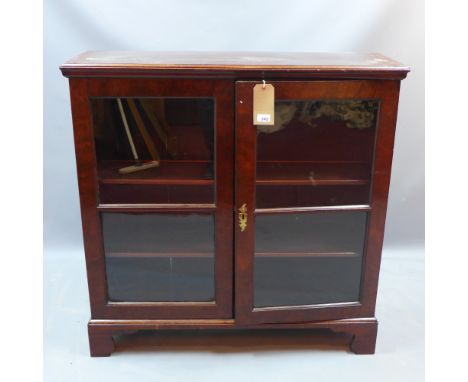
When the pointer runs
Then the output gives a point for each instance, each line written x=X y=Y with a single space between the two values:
x=280 y=279
x=160 y=279
x=210 y=254
x=292 y=281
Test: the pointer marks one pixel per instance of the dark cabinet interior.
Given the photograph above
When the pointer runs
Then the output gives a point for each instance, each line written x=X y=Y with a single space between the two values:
x=177 y=132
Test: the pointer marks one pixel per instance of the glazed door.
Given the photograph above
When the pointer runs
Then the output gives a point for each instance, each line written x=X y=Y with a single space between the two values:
x=311 y=198
x=157 y=212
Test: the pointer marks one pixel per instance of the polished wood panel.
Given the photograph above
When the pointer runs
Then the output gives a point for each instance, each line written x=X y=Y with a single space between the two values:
x=241 y=60
x=101 y=332
x=234 y=64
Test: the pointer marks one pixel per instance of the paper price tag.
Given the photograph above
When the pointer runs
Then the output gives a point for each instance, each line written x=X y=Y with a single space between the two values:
x=264 y=104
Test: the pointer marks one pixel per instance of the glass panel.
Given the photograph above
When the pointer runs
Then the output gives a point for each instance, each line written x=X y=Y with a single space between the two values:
x=159 y=257
x=318 y=153
x=305 y=259
x=154 y=150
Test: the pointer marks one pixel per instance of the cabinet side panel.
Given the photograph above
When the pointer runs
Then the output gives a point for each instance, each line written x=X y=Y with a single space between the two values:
x=87 y=183
x=379 y=193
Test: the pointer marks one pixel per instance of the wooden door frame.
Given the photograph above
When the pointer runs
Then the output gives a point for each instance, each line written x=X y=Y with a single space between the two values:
x=387 y=91
x=81 y=89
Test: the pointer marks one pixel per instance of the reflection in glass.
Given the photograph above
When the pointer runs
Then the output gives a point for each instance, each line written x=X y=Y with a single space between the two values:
x=317 y=153
x=308 y=258
x=149 y=149
x=159 y=257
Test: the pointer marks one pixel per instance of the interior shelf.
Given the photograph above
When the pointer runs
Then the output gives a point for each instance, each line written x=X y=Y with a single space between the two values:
x=311 y=173
x=177 y=172
x=210 y=254
x=169 y=172
x=307 y=254
x=160 y=254
x=331 y=233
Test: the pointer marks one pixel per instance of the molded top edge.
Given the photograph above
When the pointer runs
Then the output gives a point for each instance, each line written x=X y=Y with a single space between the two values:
x=95 y=62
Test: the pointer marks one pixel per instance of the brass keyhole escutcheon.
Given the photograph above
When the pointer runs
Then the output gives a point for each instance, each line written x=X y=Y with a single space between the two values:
x=243 y=217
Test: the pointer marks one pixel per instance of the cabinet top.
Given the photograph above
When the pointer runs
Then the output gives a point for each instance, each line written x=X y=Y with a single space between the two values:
x=234 y=64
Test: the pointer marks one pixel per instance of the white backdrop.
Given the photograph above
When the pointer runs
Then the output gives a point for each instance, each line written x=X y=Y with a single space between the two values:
x=392 y=27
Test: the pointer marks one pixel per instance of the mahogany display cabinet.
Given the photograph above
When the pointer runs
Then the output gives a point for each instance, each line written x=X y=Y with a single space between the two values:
x=197 y=215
